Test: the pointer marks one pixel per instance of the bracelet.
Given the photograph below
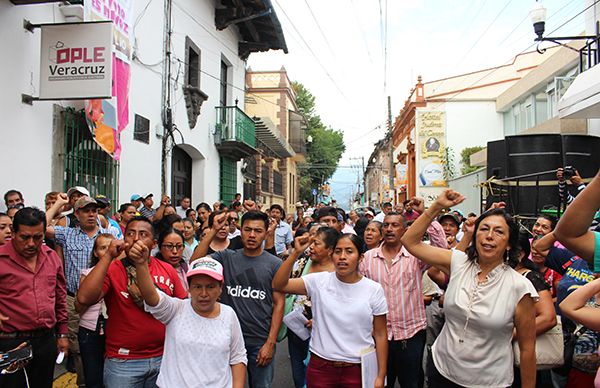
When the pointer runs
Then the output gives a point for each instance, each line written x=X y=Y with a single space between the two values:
x=62 y=336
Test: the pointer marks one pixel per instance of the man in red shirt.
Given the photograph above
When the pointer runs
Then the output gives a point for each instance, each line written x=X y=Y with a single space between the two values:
x=134 y=339
x=33 y=304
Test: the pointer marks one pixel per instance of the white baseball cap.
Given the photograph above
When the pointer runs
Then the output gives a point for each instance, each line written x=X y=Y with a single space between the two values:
x=80 y=189
x=206 y=266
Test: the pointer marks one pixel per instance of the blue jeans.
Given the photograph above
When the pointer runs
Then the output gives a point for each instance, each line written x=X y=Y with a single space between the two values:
x=258 y=376
x=298 y=352
x=405 y=361
x=141 y=373
x=91 y=347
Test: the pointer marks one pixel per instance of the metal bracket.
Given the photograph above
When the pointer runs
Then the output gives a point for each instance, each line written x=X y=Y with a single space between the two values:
x=28 y=99
x=29 y=26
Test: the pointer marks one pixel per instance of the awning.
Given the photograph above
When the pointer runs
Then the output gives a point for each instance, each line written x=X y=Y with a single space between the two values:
x=582 y=98
x=270 y=140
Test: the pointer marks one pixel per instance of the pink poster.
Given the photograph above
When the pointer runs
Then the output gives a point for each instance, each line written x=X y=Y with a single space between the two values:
x=97 y=113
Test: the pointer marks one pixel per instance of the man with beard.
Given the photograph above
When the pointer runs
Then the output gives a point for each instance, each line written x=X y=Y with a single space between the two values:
x=248 y=274
x=400 y=274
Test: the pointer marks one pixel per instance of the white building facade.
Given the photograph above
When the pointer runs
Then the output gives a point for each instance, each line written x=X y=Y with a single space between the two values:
x=47 y=146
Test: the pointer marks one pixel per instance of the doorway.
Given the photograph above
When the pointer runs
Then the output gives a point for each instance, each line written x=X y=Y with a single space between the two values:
x=181 y=175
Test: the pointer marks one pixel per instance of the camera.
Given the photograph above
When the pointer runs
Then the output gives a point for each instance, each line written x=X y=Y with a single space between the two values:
x=569 y=171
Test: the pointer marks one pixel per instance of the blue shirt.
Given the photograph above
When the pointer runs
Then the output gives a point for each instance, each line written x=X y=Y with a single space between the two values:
x=283 y=237
x=77 y=249
x=575 y=272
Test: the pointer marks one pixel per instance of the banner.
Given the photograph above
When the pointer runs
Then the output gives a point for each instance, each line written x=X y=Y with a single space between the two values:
x=431 y=139
x=401 y=180
x=76 y=61
x=113 y=114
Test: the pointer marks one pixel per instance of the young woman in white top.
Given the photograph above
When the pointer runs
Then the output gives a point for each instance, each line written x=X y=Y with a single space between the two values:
x=349 y=315
x=198 y=329
x=485 y=300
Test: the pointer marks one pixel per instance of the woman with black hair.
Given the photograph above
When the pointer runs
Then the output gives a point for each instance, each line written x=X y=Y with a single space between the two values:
x=340 y=334
x=171 y=244
x=316 y=258
x=485 y=301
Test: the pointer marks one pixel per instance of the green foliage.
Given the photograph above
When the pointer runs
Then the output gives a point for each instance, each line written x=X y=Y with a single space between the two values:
x=326 y=149
x=465 y=159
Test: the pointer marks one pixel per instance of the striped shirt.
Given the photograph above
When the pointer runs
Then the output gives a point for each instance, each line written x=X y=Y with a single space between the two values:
x=77 y=251
x=402 y=286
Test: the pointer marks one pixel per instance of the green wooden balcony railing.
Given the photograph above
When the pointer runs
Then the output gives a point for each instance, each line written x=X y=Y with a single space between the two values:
x=233 y=125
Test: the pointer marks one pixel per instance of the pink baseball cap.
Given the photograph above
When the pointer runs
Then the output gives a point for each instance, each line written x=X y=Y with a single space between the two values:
x=206 y=266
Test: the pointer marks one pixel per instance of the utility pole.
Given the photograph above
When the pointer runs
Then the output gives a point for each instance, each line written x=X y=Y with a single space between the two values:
x=167 y=114
x=391 y=150
x=364 y=179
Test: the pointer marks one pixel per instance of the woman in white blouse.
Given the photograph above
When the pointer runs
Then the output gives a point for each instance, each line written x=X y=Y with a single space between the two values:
x=349 y=315
x=485 y=300
x=204 y=346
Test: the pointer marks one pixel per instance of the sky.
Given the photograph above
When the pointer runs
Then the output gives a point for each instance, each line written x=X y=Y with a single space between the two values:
x=342 y=51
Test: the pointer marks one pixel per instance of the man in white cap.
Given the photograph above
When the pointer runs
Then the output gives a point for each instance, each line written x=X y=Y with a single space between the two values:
x=222 y=353
x=77 y=244
x=73 y=194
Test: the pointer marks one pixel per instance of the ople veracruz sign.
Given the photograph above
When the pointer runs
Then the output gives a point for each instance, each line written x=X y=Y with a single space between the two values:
x=76 y=61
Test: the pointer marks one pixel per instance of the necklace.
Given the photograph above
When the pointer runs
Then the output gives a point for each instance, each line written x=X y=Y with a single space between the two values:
x=477 y=285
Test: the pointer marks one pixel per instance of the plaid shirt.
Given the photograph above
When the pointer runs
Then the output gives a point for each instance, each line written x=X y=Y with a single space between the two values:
x=402 y=285
x=148 y=213
x=77 y=249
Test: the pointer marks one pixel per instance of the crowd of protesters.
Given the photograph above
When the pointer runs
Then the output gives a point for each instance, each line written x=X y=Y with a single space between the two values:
x=176 y=296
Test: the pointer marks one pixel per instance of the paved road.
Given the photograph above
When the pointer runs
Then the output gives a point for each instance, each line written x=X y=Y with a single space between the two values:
x=283 y=369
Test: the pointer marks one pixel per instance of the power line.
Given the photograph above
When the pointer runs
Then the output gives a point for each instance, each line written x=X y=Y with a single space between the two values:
x=522 y=52
x=476 y=42
x=362 y=31
x=319 y=27
x=313 y=53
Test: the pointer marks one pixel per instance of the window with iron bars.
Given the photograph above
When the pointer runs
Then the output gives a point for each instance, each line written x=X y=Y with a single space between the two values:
x=85 y=163
x=264 y=180
x=277 y=183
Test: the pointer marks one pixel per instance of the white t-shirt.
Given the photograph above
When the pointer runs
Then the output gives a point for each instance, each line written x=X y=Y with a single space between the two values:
x=343 y=315
x=198 y=351
x=480 y=353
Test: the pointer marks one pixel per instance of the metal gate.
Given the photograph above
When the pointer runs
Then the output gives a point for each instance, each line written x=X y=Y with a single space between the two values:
x=85 y=163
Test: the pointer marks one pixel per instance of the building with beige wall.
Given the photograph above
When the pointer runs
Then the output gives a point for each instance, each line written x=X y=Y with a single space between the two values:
x=280 y=134
x=466 y=106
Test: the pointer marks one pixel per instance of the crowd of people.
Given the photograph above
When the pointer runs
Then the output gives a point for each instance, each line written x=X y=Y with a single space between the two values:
x=176 y=296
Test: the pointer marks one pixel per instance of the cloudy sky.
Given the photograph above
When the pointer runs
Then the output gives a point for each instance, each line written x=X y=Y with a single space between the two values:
x=337 y=49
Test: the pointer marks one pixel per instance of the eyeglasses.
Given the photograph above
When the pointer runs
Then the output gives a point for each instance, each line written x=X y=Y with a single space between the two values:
x=170 y=247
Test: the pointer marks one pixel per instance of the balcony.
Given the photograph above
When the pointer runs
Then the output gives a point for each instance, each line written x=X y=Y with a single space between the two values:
x=298 y=126
x=235 y=134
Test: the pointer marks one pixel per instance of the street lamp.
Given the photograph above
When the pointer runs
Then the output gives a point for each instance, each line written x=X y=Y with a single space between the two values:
x=538 y=19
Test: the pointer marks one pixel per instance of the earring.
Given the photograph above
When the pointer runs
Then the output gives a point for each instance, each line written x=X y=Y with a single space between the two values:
x=506 y=255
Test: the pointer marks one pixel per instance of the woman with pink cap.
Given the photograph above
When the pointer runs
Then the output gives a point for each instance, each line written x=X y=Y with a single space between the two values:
x=199 y=329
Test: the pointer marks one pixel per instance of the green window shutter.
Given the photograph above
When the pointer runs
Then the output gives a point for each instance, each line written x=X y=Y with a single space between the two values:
x=228 y=179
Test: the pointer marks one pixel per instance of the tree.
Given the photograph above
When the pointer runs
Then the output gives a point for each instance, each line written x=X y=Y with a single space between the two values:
x=326 y=148
x=465 y=159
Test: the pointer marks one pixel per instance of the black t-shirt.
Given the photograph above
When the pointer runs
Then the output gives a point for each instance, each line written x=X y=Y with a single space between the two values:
x=234 y=244
x=537 y=279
